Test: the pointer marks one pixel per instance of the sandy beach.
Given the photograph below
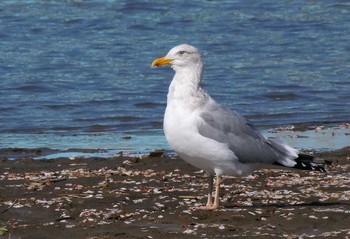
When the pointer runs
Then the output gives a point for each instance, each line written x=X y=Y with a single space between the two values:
x=156 y=197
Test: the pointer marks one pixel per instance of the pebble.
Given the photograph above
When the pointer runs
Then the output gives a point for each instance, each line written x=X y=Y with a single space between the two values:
x=189 y=231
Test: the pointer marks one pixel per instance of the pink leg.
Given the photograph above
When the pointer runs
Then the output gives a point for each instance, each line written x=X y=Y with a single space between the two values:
x=210 y=190
x=217 y=192
x=210 y=205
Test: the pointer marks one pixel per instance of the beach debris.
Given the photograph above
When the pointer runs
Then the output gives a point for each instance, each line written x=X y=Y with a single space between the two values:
x=345 y=125
x=64 y=218
x=160 y=200
x=36 y=186
x=156 y=153
x=9 y=207
x=221 y=227
x=3 y=230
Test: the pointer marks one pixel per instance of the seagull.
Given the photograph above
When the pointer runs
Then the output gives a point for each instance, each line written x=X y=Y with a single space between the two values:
x=211 y=137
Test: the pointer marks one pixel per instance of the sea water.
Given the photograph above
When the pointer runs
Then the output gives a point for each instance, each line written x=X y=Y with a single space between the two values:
x=76 y=74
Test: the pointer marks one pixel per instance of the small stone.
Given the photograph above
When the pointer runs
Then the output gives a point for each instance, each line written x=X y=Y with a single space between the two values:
x=221 y=227
x=189 y=231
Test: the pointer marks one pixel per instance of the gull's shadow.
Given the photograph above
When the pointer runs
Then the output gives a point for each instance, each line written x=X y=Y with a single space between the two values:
x=284 y=205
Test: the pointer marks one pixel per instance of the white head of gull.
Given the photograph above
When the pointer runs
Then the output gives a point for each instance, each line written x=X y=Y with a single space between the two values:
x=213 y=138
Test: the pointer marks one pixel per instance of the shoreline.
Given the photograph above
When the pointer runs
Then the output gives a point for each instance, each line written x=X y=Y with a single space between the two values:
x=313 y=138
x=156 y=196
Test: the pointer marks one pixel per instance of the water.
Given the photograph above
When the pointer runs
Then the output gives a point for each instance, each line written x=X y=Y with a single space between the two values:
x=76 y=74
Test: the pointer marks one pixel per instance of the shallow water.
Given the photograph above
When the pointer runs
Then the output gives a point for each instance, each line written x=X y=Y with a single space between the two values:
x=77 y=74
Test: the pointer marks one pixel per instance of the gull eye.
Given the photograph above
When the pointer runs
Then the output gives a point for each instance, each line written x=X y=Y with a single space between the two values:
x=182 y=53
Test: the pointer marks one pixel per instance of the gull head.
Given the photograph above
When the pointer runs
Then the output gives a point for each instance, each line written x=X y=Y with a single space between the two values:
x=179 y=57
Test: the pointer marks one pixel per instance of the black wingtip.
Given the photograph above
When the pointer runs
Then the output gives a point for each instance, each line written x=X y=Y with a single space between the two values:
x=309 y=166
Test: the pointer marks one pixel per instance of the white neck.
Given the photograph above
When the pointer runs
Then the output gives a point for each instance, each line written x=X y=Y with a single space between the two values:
x=186 y=86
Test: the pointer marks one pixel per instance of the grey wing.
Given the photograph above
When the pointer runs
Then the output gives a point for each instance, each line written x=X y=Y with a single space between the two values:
x=242 y=138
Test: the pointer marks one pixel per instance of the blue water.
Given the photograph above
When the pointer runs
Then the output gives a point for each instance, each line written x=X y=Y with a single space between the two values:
x=76 y=74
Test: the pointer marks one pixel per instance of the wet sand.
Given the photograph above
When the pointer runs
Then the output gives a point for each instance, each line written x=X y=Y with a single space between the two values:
x=156 y=197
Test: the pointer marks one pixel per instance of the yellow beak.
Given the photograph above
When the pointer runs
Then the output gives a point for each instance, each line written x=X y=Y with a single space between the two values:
x=161 y=61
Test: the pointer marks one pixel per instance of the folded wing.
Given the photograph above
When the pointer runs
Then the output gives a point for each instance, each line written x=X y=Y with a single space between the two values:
x=242 y=138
